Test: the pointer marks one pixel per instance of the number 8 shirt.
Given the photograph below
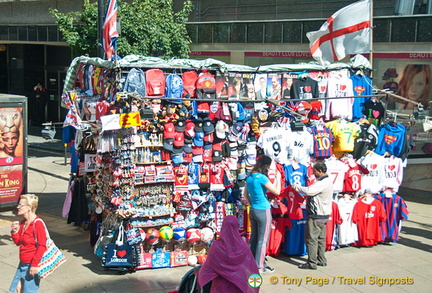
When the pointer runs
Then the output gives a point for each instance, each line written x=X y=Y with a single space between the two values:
x=275 y=144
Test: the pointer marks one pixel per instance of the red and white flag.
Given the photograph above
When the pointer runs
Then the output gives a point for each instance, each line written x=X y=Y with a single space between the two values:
x=346 y=32
x=109 y=29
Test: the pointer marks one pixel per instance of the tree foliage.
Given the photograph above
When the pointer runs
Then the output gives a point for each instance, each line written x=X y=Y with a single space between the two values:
x=148 y=27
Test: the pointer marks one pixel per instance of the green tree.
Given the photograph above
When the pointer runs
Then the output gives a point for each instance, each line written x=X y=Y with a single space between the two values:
x=148 y=27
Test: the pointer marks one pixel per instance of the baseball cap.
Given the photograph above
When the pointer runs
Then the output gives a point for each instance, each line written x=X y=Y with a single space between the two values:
x=179 y=139
x=237 y=128
x=197 y=158
x=198 y=139
x=217 y=156
x=169 y=130
x=187 y=148
x=187 y=157
x=177 y=158
x=199 y=125
x=168 y=144
x=221 y=129
x=189 y=129
x=197 y=150
x=177 y=150
x=208 y=126
x=180 y=125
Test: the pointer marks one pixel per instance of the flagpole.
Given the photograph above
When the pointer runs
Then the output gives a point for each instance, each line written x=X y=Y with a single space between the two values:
x=371 y=38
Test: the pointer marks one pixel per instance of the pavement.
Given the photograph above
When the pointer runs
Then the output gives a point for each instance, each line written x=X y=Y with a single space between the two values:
x=405 y=266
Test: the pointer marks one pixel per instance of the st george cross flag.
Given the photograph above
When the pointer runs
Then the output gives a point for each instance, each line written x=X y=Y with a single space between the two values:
x=345 y=32
x=109 y=29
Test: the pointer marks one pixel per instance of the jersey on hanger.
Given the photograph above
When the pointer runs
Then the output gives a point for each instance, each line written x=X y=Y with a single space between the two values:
x=274 y=142
x=396 y=211
x=323 y=141
x=347 y=230
x=336 y=170
x=368 y=218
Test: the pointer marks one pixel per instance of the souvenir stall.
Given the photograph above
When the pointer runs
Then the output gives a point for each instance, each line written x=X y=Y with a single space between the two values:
x=160 y=151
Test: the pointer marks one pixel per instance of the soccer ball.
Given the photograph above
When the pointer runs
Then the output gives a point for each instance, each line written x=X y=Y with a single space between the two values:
x=192 y=260
x=179 y=234
x=153 y=236
x=207 y=235
x=166 y=232
x=193 y=235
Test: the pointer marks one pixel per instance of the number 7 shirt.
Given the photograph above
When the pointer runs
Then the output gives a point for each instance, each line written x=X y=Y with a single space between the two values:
x=336 y=170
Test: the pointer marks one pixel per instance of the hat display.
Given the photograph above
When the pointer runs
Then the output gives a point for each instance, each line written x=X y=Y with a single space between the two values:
x=237 y=128
x=178 y=139
x=217 y=156
x=187 y=148
x=199 y=125
x=169 y=130
x=198 y=140
x=189 y=129
x=196 y=150
x=221 y=129
x=180 y=125
x=168 y=144
x=208 y=126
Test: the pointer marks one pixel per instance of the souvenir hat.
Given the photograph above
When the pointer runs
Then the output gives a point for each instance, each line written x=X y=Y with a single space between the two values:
x=208 y=126
x=221 y=129
x=169 y=130
x=199 y=139
x=180 y=125
x=168 y=144
x=179 y=139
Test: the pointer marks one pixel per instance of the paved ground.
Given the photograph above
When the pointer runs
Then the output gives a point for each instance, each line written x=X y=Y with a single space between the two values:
x=349 y=270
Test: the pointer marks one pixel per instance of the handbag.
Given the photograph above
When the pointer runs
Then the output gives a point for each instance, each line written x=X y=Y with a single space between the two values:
x=118 y=254
x=51 y=259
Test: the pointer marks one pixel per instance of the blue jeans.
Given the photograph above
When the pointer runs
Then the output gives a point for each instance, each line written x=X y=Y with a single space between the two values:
x=30 y=283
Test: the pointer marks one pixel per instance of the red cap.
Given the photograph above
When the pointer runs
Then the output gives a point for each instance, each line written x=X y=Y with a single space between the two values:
x=169 y=130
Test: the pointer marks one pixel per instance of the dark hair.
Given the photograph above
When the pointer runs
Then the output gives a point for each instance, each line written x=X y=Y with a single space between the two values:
x=262 y=165
x=320 y=166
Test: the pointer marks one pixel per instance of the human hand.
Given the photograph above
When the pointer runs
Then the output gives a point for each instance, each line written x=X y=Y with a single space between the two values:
x=15 y=227
x=33 y=271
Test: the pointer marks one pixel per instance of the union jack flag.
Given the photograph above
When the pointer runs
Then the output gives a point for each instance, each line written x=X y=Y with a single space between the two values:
x=109 y=29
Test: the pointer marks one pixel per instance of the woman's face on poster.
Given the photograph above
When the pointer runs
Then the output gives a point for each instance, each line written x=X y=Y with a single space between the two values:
x=10 y=140
x=417 y=86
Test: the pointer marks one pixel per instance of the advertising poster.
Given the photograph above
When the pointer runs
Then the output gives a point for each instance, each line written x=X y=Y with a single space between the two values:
x=11 y=183
x=11 y=136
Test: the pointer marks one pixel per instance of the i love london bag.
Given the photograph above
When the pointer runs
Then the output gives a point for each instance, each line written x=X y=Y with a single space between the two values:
x=52 y=258
x=119 y=254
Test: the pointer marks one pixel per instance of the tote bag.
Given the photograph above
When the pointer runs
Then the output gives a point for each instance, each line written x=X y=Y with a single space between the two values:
x=118 y=254
x=52 y=258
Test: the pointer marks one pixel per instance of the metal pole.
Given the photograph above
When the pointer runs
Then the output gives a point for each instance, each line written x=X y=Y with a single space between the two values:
x=101 y=15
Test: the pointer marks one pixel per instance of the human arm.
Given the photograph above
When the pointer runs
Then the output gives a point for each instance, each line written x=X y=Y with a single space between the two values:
x=312 y=190
x=275 y=187
x=15 y=228
x=246 y=195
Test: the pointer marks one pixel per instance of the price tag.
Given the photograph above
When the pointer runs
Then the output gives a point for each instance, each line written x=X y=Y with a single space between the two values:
x=130 y=119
